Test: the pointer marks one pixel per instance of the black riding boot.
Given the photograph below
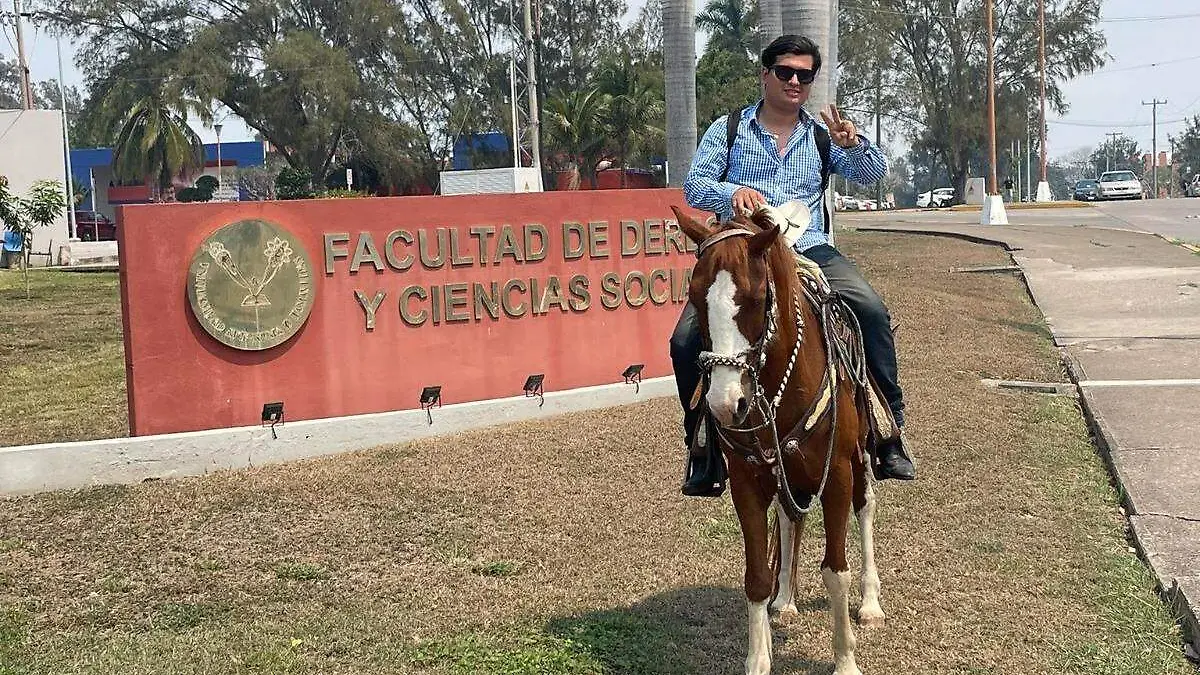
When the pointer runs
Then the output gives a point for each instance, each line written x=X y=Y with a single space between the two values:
x=706 y=472
x=705 y=475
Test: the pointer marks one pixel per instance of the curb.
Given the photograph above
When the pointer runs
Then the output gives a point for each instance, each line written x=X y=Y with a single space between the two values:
x=1026 y=206
x=1169 y=590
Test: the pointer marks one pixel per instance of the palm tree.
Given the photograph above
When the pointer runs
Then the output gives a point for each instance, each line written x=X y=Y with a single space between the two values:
x=633 y=111
x=814 y=19
x=574 y=124
x=156 y=143
x=679 y=67
x=732 y=26
x=770 y=22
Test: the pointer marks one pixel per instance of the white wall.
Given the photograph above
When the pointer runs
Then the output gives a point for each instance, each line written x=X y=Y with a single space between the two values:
x=31 y=149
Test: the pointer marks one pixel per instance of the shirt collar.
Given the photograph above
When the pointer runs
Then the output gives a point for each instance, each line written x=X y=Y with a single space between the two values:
x=751 y=113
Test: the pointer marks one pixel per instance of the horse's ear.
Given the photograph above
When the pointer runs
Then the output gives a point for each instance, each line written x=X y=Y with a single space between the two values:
x=694 y=229
x=761 y=242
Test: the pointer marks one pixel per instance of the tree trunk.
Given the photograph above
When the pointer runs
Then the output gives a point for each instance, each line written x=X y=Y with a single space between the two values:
x=812 y=19
x=770 y=21
x=679 y=59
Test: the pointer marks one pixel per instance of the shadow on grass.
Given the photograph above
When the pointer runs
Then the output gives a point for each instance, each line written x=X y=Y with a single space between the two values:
x=680 y=632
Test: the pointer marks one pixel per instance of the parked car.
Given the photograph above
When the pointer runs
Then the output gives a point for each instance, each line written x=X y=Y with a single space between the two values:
x=940 y=197
x=851 y=203
x=1120 y=185
x=1087 y=190
x=94 y=226
x=868 y=205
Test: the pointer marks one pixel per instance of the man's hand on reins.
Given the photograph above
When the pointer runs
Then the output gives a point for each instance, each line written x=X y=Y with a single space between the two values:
x=841 y=131
x=747 y=200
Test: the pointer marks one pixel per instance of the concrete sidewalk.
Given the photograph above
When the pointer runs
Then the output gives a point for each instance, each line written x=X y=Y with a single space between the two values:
x=1124 y=309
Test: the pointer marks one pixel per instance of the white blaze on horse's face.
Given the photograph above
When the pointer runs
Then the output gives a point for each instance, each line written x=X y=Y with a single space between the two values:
x=727 y=395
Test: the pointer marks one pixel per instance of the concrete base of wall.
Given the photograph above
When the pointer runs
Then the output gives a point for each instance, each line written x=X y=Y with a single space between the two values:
x=87 y=253
x=55 y=466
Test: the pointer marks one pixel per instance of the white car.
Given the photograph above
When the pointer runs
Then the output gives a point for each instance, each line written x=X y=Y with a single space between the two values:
x=850 y=203
x=941 y=197
x=1120 y=185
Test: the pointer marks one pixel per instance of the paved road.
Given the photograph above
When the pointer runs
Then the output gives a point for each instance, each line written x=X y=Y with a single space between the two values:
x=1177 y=218
x=1123 y=306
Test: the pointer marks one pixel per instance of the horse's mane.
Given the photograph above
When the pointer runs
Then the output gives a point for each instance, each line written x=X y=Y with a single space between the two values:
x=779 y=259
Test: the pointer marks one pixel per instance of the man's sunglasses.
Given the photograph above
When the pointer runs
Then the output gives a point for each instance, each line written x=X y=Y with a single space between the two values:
x=786 y=73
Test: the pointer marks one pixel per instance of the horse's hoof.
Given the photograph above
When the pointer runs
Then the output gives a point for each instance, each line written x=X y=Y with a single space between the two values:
x=869 y=619
x=785 y=610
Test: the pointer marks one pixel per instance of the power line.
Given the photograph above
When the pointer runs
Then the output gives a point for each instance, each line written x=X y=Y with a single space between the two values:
x=956 y=17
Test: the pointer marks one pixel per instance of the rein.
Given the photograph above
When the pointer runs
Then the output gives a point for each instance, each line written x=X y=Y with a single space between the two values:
x=753 y=359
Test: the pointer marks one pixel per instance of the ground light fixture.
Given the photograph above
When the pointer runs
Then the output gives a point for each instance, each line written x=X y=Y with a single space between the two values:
x=272 y=414
x=633 y=375
x=430 y=397
x=533 y=387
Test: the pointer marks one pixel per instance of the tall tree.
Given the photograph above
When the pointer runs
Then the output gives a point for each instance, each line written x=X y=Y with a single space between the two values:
x=575 y=122
x=931 y=57
x=157 y=145
x=1117 y=154
x=634 y=109
x=679 y=63
x=732 y=26
x=574 y=33
x=1186 y=146
x=724 y=81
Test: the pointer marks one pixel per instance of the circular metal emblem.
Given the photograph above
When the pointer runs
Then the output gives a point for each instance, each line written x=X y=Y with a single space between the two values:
x=250 y=285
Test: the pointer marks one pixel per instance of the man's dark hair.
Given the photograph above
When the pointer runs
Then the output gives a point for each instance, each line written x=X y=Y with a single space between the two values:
x=791 y=44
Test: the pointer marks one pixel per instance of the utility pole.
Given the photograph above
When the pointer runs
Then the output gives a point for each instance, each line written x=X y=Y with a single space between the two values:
x=22 y=64
x=1043 y=188
x=1112 y=143
x=1154 y=142
x=531 y=73
x=62 y=95
x=993 y=205
x=878 y=129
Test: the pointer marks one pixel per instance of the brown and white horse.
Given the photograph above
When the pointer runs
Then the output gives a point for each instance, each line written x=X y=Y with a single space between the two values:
x=792 y=414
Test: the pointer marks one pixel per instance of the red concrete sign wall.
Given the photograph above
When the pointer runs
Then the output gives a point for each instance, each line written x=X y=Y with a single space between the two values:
x=472 y=293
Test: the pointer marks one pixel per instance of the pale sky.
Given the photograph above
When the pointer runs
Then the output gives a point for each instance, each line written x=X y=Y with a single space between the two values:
x=1109 y=100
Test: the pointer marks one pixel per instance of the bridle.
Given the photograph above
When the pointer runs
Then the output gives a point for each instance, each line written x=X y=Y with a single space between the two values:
x=751 y=361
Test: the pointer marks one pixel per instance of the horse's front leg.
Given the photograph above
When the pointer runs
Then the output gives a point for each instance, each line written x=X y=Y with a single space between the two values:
x=870 y=613
x=751 y=498
x=835 y=572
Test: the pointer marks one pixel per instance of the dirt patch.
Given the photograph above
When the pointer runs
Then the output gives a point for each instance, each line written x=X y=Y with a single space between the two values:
x=563 y=546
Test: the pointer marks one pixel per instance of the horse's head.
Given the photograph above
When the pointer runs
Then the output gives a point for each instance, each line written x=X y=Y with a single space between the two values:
x=730 y=290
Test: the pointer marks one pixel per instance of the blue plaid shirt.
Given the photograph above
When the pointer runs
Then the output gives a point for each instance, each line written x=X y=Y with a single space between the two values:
x=755 y=162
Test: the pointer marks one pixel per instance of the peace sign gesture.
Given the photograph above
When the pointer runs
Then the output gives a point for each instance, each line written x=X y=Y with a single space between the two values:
x=841 y=131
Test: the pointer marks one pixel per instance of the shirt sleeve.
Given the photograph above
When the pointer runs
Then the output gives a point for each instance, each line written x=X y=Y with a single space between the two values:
x=703 y=188
x=864 y=164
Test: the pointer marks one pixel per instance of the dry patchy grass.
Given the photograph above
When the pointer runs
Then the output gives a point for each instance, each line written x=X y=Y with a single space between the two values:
x=563 y=546
x=62 y=358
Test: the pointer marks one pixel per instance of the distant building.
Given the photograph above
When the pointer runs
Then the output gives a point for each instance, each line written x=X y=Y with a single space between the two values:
x=92 y=168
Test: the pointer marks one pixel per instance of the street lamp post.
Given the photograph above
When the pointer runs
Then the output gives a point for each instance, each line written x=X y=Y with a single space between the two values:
x=217 y=128
x=993 y=204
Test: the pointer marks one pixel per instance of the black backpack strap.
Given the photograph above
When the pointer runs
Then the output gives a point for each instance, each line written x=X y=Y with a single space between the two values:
x=732 y=122
x=823 y=141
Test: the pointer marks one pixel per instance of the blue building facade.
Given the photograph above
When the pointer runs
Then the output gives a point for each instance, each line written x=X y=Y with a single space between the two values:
x=92 y=168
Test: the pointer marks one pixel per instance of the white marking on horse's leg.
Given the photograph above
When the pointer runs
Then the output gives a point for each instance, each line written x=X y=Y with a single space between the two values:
x=870 y=614
x=725 y=387
x=758 y=661
x=837 y=584
x=785 y=598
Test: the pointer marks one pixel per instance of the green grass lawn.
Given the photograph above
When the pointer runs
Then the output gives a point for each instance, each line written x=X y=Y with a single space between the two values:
x=62 y=357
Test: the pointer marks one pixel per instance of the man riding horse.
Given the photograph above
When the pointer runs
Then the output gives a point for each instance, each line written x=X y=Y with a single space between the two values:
x=773 y=153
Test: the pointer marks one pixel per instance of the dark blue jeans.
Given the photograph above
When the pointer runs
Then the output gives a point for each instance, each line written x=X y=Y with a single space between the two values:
x=843 y=277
